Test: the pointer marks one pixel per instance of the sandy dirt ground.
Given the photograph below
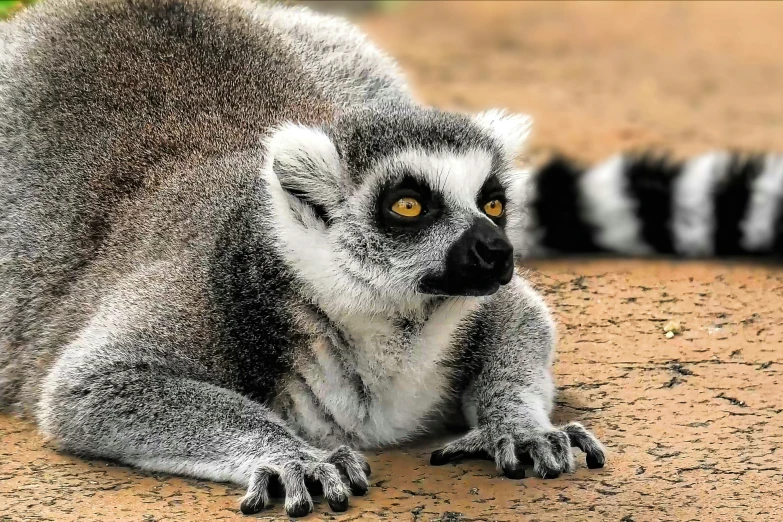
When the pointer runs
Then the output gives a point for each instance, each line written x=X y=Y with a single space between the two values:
x=693 y=424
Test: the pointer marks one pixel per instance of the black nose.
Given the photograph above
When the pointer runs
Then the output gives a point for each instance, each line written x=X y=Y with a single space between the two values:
x=478 y=263
x=491 y=253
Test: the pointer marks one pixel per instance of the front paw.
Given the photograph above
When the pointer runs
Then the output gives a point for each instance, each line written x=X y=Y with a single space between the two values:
x=512 y=446
x=328 y=475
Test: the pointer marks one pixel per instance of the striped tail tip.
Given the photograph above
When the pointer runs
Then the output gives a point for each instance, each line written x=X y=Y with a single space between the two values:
x=720 y=204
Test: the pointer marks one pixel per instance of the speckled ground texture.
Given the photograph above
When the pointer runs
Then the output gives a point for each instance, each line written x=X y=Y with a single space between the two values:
x=693 y=424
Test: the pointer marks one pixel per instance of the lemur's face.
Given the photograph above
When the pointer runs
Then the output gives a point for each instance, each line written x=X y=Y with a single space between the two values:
x=434 y=218
x=400 y=204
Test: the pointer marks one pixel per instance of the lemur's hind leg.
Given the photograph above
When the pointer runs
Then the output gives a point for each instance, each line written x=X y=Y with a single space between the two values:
x=104 y=402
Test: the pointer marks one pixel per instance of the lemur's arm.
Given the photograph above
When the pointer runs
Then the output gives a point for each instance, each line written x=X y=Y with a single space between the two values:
x=133 y=401
x=508 y=402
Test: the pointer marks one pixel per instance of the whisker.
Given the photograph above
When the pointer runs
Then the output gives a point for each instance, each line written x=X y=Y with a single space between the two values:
x=527 y=271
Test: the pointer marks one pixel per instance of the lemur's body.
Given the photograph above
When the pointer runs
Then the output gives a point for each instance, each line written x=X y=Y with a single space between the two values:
x=231 y=243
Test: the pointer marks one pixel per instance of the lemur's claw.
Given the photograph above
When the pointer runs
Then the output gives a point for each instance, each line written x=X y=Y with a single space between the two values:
x=514 y=472
x=548 y=450
x=341 y=472
x=353 y=466
x=593 y=462
x=339 y=505
x=441 y=457
x=586 y=441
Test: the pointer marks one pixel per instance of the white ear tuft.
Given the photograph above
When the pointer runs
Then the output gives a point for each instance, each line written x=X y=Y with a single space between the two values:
x=511 y=131
x=294 y=147
x=306 y=163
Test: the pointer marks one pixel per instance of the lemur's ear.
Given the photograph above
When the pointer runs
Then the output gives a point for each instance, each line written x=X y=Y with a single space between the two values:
x=511 y=131
x=306 y=164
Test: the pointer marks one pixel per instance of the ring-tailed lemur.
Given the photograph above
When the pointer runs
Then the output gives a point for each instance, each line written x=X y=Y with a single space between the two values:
x=234 y=247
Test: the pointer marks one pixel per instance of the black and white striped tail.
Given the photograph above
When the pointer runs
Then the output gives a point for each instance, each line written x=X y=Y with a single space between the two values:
x=719 y=204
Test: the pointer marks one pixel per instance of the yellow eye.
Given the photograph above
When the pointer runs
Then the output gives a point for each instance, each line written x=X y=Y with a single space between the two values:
x=407 y=207
x=494 y=208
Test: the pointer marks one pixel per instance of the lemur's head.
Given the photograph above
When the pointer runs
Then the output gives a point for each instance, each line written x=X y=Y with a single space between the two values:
x=391 y=205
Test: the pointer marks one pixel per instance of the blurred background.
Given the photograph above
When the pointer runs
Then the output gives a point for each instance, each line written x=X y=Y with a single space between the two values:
x=596 y=76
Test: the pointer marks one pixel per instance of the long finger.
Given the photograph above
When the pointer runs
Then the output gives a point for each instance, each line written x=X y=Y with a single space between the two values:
x=298 y=502
x=595 y=454
x=469 y=445
x=350 y=463
x=257 y=495
x=335 y=492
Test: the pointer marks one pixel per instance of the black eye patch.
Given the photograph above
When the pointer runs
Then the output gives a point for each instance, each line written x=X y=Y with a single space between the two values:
x=407 y=187
x=490 y=191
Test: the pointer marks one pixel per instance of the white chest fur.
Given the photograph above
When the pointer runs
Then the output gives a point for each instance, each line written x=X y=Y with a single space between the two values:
x=388 y=383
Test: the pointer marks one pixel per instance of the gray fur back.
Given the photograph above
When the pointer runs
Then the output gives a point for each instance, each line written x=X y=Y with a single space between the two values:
x=346 y=65
x=121 y=98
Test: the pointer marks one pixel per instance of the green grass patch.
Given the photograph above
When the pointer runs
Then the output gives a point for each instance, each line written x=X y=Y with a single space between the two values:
x=10 y=7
